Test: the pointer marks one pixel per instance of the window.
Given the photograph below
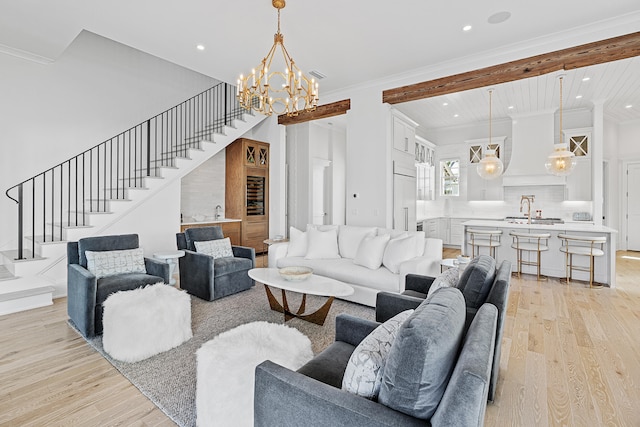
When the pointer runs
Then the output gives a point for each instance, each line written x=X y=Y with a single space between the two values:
x=450 y=177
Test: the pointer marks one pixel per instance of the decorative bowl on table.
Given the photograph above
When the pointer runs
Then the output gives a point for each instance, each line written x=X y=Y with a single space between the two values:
x=295 y=274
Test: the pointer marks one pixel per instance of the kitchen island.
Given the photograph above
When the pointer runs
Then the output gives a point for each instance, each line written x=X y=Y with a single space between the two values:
x=553 y=261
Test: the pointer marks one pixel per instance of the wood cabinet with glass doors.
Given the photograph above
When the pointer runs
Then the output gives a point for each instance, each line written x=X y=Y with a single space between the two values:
x=247 y=189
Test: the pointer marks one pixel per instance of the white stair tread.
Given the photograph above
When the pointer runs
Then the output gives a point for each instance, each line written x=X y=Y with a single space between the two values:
x=24 y=287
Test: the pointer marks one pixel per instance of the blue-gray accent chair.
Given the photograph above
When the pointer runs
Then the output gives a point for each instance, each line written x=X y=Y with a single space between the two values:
x=208 y=278
x=85 y=293
x=480 y=283
x=435 y=374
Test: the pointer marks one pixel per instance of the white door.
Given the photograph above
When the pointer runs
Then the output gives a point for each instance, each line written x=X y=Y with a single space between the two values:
x=633 y=207
x=318 y=208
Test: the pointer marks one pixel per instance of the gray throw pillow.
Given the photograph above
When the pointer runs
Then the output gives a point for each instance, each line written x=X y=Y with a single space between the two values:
x=447 y=279
x=423 y=355
x=476 y=280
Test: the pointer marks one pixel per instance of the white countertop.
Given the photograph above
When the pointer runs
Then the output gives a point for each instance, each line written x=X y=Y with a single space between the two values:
x=573 y=226
x=211 y=221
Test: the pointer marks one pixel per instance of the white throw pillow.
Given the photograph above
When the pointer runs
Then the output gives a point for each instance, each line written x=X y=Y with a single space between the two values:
x=363 y=374
x=447 y=279
x=219 y=248
x=398 y=251
x=396 y=234
x=322 y=244
x=297 y=242
x=110 y=263
x=350 y=237
x=371 y=251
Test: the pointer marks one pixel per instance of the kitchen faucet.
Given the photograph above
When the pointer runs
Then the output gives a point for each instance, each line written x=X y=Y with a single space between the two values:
x=529 y=199
x=218 y=209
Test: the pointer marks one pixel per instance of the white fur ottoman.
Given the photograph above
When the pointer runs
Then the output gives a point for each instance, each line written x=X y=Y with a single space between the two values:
x=226 y=366
x=142 y=322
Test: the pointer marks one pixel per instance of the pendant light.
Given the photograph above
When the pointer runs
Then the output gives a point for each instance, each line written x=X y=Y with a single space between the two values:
x=562 y=161
x=490 y=167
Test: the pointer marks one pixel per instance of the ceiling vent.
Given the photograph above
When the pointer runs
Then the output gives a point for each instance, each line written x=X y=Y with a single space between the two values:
x=317 y=74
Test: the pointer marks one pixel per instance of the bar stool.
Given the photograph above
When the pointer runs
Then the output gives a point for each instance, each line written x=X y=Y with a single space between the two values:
x=482 y=238
x=591 y=246
x=530 y=242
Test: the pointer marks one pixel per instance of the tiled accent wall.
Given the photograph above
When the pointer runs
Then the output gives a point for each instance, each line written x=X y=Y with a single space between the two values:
x=204 y=188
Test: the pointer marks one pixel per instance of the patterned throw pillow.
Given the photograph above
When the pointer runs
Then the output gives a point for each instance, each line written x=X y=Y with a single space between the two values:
x=220 y=248
x=363 y=374
x=447 y=279
x=109 y=263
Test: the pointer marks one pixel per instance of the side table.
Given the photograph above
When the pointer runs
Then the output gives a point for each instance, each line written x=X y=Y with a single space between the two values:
x=170 y=257
x=268 y=242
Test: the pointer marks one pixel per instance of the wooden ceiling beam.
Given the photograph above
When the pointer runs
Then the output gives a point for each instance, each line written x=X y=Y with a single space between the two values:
x=613 y=49
x=321 y=112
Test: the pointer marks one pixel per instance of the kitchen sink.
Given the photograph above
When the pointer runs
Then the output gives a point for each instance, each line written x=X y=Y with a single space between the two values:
x=524 y=220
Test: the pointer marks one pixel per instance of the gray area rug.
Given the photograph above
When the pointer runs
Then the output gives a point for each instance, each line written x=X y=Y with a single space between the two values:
x=169 y=379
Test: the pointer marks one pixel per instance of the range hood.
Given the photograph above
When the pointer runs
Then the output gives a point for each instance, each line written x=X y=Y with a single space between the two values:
x=532 y=141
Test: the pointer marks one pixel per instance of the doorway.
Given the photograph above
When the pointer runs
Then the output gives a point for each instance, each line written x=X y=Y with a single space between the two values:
x=319 y=197
x=633 y=206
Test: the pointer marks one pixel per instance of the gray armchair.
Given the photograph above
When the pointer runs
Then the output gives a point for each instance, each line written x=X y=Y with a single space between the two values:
x=480 y=283
x=86 y=293
x=435 y=374
x=208 y=278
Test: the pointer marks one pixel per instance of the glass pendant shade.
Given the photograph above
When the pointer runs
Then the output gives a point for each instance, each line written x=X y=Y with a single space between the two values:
x=490 y=167
x=561 y=162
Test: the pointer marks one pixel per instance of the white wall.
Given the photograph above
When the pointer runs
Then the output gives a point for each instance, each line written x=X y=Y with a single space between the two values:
x=204 y=189
x=95 y=90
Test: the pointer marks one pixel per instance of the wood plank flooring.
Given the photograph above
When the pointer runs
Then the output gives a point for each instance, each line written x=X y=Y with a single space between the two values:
x=570 y=357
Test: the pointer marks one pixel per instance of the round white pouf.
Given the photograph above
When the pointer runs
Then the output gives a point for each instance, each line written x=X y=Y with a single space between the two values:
x=142 y=322
x=226 y=368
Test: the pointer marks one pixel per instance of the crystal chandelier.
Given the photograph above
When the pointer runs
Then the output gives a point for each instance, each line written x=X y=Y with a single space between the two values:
x=279 y=88
x=490 y=167
x=562 y=161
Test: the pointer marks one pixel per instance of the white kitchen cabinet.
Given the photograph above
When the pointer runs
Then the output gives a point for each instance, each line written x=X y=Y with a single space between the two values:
x=579 y=183
x=431 y=228
x=404 y=133
x=456 y=231
x=404 y=202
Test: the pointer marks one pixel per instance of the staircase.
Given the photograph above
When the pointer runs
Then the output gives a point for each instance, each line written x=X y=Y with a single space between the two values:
x=98 y=188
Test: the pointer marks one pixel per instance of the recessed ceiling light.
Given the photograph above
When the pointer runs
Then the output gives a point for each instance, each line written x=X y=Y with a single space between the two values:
x=510 y=107
x=467 y=28
x=455 y=115
x=499 y=17
x=586 y=79
x=628 y=106
x=200 y=47
x=578 y=96
x=444 y=104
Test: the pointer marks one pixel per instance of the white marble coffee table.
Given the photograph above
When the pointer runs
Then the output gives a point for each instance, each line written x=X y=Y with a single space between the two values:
x=314 y=285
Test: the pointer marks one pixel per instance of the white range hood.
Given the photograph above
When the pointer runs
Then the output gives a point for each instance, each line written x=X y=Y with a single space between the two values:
x=532 y=141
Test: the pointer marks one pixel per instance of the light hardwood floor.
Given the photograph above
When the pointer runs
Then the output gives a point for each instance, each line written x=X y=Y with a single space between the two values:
x=570 y=357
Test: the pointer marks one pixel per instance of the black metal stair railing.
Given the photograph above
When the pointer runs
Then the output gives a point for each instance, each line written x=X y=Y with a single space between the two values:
x=63 y=195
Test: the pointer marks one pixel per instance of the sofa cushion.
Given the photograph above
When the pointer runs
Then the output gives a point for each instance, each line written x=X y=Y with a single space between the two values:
x=199 y=234
x=328 y=366
x=350 y=237
x=220 y=248
x=345 y=270
x=110 y=263
x=371 y=251
x=477 y=279
x=222 y=266
x=447 y=279
x=298 y=242
x=424 y=354
x=398 y=251
x=322 y=244
x=363 y=374
x=122 y=282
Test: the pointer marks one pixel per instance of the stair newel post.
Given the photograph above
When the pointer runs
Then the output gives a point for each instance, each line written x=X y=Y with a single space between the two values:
x=20 y=222
x=148 y=147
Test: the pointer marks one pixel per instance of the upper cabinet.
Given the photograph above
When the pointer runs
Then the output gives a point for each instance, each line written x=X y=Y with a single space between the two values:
x=579 y=182
x=404 y=132
x=478 y=188
x=425 y=169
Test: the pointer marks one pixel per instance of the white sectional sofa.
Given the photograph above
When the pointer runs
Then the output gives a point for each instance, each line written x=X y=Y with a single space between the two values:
x=371 y=259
